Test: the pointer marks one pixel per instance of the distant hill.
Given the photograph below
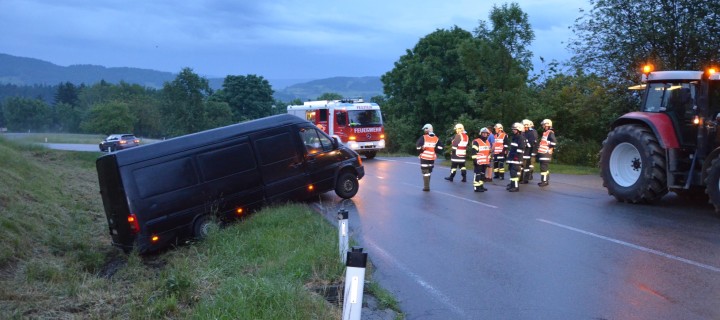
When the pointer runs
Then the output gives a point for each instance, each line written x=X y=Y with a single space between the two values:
x=23 y=71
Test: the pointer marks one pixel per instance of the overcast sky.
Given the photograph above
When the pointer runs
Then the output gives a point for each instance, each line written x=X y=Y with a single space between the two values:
x=276 y=39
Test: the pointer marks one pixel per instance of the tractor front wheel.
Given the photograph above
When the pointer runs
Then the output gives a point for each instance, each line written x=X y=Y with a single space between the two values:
x=632 y=165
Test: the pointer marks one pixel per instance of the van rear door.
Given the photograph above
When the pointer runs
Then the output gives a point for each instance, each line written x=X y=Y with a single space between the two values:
x=115 y=201
x=281 y=163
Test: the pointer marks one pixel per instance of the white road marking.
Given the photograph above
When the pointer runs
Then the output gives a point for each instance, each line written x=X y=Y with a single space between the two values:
x=634 y=246
x=439 y=296
x=454 y=196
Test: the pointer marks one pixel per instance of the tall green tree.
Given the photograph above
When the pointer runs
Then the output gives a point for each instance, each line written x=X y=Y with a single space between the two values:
x=183 y=104
x=108 y=118
x=499 y=58
x=22 y=114
x=427 y=85
x=249 y=97
x=616 y=37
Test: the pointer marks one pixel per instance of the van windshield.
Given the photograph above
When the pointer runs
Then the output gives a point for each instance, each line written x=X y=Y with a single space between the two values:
x=365 y=118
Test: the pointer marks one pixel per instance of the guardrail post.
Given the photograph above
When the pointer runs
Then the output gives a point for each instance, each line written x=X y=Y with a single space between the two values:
x=343 y=241
x=354 y=284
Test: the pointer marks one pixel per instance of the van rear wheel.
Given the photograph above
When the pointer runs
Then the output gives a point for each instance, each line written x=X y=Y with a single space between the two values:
x=347 y=185
x=202 y=227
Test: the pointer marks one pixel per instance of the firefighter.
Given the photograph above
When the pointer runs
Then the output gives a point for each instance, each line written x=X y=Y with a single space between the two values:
x=481 y=156
x=515 y=156
x=531 y=136
x=428 y=145
x=500 y=148
x=545 y=150
x=459 y=148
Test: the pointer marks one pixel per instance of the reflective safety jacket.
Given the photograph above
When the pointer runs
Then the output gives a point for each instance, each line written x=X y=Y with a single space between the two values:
x=482 y=151
x=517 y=149
x=459 y=146
x=500 y=145
x=429 y=143
x=547 y=142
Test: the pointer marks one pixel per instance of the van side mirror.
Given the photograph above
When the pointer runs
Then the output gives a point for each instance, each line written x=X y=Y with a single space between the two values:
x=335 y=142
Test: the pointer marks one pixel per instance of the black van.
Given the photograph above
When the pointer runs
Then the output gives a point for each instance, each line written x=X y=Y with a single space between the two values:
x=160 y=193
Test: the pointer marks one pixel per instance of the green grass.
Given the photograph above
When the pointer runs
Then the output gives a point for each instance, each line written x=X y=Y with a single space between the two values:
x=56 y=260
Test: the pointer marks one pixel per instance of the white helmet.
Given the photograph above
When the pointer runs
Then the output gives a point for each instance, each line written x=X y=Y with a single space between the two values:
x=498 y=126
x=484 y=130
x=528 y=123
x=459 y=126
x=427 y=127
x=518 y=126
x=546 y=122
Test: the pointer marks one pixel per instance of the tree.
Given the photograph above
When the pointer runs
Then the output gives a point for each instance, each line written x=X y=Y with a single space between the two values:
x=109 y=118
x=183 y=103
x=249 y=97
x=427 y=85
x=218 y=114
x=499 y=58
x=67 y=93
x=22 y=114
x=330 y=96
x=616 y=37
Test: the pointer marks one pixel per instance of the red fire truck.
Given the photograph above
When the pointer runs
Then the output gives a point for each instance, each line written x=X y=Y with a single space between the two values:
x=355 y=123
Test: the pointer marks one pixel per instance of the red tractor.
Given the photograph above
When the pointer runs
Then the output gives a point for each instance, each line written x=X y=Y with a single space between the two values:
x=671 y=144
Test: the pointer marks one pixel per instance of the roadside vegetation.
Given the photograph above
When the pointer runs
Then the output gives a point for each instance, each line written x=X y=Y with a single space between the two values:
x=56 y=260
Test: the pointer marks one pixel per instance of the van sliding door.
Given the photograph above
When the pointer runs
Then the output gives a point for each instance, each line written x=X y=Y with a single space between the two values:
x=281 y=164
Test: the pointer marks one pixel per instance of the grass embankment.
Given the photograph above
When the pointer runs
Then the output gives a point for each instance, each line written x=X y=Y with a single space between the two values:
x=56 y=260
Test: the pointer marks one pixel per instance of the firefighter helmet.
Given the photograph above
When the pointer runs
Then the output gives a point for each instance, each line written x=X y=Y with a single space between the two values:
x=518 y=126
x=484 y=130
x=528 y=123
x=546 y=122
x=459 y=126
x=427 y=127
x=498 y=126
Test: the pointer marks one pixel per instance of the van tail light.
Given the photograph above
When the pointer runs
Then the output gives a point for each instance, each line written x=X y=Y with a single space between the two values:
x=359 y=160
x=310 y=187
x=134 y=225
x=155 y=238
x=239 y=211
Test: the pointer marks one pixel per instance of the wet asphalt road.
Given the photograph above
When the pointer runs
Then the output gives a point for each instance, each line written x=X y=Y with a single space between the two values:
x=568 y=251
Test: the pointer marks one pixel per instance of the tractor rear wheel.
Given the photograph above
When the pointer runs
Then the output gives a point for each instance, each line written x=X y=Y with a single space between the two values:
x=712 y=183
x=632 y=165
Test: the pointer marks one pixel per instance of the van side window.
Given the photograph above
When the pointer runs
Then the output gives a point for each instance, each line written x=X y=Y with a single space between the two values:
x=227 y=161
x=315 y=141
x=165 y=177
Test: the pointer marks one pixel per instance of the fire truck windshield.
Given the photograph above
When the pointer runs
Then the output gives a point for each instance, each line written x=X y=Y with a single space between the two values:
x=365 y=118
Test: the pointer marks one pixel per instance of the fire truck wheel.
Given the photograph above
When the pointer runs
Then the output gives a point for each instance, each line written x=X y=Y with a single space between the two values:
x=712 y=183
x=202 y=226
x=347 y=185
x=632 y=165
x=370 y=154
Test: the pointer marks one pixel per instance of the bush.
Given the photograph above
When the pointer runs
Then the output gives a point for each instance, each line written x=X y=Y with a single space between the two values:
x=581 y=153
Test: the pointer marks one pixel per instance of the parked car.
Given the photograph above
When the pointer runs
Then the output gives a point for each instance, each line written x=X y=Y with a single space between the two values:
x=116 y=142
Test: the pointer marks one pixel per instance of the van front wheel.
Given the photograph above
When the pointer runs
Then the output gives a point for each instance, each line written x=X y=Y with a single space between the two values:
x=347 y=185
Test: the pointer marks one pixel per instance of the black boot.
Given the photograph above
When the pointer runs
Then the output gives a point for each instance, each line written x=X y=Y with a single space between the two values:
x=451 y=176
x=464 y=176
x=515 y=187
x=544 y=180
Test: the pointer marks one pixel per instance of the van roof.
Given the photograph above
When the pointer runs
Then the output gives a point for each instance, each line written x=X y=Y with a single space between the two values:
x=198 y=139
